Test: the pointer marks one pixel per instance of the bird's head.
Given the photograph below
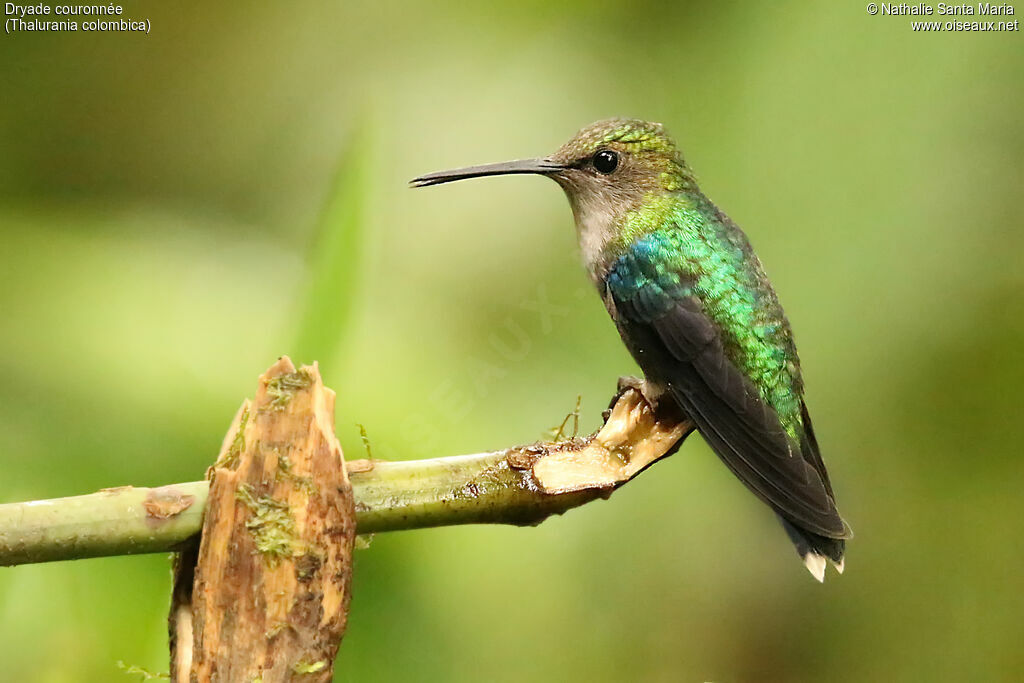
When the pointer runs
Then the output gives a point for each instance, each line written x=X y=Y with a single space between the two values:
x=608 y=169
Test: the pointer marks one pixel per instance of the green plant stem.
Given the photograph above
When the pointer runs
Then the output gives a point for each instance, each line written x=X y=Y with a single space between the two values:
x=108 y=522
x=467 y=489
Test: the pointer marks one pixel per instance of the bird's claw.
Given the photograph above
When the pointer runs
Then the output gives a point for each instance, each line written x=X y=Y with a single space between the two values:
x=639 y=385
x=652 y=395
x=625 y=383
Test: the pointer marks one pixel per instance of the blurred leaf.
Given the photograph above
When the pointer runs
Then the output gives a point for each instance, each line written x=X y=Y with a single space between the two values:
x=335 y=259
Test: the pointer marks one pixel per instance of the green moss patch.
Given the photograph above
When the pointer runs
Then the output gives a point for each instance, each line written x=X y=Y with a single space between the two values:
x=272 y=525
x=283 y=387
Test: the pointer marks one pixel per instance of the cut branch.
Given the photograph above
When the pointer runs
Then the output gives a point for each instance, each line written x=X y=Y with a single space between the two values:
x=521 y=486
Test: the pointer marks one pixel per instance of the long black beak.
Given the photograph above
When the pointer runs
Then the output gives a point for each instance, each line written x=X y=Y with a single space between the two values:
x=540 y=166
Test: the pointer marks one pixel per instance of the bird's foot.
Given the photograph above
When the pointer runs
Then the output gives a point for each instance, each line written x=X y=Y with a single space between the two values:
x=652 y=394
x=649 y=391
x=642 y=386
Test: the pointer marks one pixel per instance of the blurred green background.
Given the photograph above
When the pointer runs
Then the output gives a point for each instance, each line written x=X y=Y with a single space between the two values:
x=179 y=209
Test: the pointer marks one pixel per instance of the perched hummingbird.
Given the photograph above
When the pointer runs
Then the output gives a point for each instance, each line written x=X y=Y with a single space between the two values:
x=693 y=305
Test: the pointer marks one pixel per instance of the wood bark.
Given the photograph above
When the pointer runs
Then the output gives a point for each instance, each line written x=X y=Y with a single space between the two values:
x=265 y=595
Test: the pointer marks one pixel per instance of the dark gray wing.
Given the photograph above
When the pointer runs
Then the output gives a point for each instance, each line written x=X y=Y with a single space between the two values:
x=677 y=345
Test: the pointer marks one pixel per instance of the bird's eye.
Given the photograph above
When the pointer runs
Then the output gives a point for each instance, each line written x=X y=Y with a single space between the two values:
x=606 y=161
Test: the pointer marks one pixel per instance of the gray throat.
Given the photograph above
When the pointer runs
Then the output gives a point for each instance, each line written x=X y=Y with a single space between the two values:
x=596 y=220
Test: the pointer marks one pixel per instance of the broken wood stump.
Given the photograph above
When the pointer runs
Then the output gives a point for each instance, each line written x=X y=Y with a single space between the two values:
x=264 y=597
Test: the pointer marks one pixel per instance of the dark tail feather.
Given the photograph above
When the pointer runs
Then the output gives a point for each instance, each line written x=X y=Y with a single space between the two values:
x=814 y=549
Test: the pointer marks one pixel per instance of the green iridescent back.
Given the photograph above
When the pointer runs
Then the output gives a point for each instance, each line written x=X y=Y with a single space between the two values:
x=678 y=245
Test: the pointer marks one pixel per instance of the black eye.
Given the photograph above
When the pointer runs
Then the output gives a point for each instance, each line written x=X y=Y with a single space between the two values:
x=606 y=161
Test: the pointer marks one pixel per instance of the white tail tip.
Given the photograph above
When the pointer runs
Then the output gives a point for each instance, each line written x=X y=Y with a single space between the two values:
x=839 y=565
x=815 y=564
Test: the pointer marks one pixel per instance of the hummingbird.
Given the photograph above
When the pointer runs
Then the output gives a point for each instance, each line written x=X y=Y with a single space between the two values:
x=697 y=312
